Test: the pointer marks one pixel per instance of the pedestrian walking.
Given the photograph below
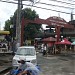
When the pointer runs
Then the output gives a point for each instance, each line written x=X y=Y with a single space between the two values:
x=44 y=51
x=42 y=48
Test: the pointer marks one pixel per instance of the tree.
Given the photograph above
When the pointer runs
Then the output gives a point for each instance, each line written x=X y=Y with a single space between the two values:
x=29 y=14
x=7 y=25
x=30 y=30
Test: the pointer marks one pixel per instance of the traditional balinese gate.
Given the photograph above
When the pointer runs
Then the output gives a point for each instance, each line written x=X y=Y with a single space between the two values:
x=57 y=22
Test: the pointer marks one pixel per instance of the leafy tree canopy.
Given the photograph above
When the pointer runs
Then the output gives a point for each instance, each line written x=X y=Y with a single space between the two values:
x=30 y=30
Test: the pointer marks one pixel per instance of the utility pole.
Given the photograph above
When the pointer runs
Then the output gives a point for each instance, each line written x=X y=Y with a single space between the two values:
x=72 y=15
x=18 y=24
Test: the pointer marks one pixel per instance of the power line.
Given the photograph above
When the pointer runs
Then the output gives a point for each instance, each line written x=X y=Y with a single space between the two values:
x=51 y=9
x=37 y=7
x=56 y=5
x=40 y=3
x=63 y=2
x=8 y=2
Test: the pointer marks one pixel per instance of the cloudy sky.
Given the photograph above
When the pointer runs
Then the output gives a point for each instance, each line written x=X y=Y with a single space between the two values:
x=48 y=8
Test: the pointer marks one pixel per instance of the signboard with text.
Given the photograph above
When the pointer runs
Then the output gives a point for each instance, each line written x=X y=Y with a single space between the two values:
x=57 y=21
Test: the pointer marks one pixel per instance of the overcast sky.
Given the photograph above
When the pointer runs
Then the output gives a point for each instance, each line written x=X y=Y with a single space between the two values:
x=8 y=9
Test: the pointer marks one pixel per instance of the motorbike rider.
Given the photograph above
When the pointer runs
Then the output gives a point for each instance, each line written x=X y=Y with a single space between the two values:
x=30 y=69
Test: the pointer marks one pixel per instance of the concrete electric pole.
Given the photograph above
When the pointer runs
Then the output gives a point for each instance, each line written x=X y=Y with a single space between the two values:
x=18 y=24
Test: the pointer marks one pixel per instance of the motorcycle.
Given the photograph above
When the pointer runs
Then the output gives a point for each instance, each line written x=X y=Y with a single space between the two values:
x=17 y=71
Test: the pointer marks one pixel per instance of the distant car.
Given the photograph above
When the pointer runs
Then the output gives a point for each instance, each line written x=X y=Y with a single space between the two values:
x=28 y=53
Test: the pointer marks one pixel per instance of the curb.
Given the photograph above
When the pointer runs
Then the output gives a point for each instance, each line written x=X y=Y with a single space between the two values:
x=5 y=69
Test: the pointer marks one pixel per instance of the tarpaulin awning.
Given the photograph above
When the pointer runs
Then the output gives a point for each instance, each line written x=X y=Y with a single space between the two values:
x=49 y=39
x=73 y=43
x=64 y=41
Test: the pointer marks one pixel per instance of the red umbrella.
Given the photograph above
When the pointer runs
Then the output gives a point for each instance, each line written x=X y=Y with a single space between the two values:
x=64 y=41
x=49 y=39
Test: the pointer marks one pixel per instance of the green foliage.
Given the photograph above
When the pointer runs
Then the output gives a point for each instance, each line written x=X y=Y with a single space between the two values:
x=29 y=14
x=7 y=25
x=30 y=30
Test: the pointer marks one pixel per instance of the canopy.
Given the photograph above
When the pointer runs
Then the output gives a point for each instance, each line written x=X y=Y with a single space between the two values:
x=4 y=32
x=64 y=41
x=73 y=43
x=49 y=39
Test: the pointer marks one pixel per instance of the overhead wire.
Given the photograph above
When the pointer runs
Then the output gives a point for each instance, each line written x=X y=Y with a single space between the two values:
x=35 y=6
x=9 y=2
x=55 y=5
x=63 y=2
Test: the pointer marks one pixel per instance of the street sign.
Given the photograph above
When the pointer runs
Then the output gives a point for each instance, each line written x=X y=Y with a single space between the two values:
x=58 y=21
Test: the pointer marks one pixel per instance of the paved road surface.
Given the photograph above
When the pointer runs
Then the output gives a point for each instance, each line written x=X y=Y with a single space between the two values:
x=57 y=64
x=51 y=65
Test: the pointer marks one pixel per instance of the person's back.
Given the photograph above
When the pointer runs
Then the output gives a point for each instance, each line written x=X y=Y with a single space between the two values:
x=32 y=68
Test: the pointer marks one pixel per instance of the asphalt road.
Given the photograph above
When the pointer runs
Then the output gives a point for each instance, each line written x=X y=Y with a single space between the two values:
x=50 y=65
x=57 y=64
x=5 y=63
x=5 y=59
